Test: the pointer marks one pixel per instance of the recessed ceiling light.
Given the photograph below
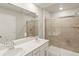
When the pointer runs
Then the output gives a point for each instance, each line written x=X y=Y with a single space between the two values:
x=60 y=8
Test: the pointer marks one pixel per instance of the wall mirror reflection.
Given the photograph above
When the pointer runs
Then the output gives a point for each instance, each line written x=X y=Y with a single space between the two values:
x=16 y=23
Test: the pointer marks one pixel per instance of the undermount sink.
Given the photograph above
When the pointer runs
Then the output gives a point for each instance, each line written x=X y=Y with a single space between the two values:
x=14 y=52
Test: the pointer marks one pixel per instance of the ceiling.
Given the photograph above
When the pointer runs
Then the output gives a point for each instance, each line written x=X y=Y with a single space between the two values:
x=54 y=7
x=16 y=9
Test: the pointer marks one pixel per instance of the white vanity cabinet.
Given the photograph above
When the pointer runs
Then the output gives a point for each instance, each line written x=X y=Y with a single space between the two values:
x=39 y=51
x=34 y=47
x=43 y=49
x=36 y=52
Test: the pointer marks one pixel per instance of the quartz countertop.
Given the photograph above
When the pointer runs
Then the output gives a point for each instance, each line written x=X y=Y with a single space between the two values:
x=31 y=45
x=25 y=47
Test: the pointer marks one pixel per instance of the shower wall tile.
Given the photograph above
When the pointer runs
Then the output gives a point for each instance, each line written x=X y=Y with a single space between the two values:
x=68 y=33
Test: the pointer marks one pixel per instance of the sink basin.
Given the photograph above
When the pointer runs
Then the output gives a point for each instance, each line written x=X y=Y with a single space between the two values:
x=3 y=50
x=14 y=52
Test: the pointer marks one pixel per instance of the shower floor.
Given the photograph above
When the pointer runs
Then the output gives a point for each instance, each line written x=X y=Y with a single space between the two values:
x=55 y=51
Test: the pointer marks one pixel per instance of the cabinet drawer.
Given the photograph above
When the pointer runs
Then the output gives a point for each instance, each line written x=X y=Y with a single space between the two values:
x=36 y=52
x=44 y=46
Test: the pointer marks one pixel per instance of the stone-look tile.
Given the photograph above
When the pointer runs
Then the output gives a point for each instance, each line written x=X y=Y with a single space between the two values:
x=64 y=33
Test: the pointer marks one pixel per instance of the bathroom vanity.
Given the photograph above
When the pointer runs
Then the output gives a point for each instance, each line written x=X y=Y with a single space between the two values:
x=28 y=47
x=34 y=47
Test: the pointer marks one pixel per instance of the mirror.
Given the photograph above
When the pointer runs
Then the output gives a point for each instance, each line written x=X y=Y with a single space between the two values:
x=26 y=26
x=17 y=23
x=31 y=27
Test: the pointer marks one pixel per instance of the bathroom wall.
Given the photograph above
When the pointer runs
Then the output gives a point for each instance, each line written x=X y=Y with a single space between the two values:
x=64 y=32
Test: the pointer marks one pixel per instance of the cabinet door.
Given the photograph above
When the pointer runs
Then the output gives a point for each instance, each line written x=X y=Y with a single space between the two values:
x=36 y=52
x=42 y=52
x=43 y=49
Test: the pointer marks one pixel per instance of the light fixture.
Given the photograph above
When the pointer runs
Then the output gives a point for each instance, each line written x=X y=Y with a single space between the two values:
x=60 y=8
